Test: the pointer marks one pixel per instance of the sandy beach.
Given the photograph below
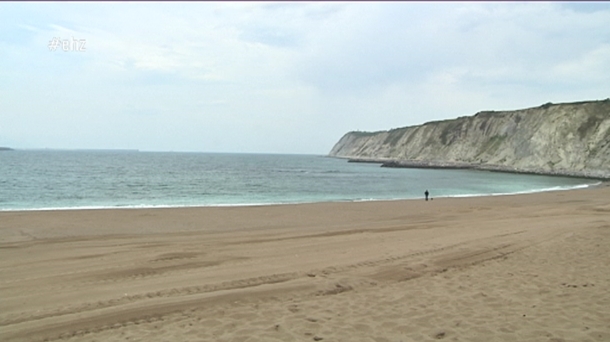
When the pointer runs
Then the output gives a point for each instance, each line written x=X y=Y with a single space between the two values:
x=504 y=268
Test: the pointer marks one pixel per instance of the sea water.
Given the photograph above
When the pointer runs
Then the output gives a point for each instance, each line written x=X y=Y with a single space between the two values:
x=49 y=179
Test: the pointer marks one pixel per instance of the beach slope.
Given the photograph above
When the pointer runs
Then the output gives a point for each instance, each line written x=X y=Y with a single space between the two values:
x=505 y=268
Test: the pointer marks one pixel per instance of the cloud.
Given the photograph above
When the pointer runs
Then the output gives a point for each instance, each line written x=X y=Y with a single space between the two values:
x=591 y=66
x=488 y=43
x=283 y=77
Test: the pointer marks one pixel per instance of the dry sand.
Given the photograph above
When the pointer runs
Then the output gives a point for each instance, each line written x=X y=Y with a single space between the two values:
x=507 y=268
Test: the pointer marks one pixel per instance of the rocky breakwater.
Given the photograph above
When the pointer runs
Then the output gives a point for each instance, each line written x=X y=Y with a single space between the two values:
x=568 y=139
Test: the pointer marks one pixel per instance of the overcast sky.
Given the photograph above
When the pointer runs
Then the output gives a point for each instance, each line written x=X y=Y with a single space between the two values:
x=282 y=77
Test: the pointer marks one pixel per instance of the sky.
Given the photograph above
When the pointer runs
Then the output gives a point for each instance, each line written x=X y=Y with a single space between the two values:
x=282 y=77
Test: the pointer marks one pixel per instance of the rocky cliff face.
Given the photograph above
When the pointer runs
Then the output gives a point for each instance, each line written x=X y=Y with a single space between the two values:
x=563 y=139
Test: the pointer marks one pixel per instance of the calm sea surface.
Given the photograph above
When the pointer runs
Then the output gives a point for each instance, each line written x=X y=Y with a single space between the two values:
x=111 y=179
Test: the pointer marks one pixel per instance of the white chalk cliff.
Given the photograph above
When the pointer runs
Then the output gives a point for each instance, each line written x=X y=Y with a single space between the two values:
x=560 y=139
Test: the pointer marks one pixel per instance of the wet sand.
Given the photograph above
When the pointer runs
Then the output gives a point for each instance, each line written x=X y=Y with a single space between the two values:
x=505 y=268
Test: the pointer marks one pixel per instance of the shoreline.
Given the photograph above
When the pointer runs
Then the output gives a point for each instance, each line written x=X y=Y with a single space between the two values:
x=123 y=217
x=601 y=183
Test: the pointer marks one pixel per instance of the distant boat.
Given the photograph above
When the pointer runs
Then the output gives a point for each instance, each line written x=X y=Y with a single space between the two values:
x=5 y=149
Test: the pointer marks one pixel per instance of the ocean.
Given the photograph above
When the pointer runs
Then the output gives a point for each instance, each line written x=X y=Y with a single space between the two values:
x=51 y=179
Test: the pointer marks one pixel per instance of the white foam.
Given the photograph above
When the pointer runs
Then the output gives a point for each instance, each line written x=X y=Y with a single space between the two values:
x=523 y=192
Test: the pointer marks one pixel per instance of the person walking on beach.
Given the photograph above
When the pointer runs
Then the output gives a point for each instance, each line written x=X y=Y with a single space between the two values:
x=426 y=193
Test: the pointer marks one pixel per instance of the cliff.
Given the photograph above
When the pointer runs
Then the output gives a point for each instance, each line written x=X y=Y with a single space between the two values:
x=570 y=139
